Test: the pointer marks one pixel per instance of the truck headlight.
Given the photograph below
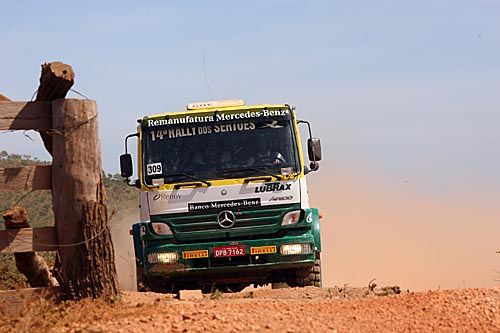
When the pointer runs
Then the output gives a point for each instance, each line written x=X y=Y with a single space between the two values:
x=291 y=217
x=294 y=249
x=161 y=228
x=163 y=257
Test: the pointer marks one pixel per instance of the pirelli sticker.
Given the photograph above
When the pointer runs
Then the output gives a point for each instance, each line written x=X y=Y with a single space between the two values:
x=195 y=254
x=263 y=249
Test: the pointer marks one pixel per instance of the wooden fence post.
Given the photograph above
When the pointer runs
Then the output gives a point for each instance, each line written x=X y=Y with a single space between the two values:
x=56 y=80
x=79 y=201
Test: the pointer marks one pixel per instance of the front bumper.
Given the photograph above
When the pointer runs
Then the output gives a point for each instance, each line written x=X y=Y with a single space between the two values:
x=240 y=267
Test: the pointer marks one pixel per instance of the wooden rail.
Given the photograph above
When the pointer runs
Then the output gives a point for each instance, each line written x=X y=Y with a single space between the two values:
x=25 y=115
x=28 y=240
x=27 y=178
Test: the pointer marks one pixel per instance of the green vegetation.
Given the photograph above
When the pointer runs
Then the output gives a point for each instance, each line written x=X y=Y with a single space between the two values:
x=10 y=278
x=39 y=207
x=39 y=203
x=216 y=294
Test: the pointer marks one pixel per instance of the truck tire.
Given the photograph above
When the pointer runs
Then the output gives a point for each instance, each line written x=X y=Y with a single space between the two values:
x=154 y=285
x=159 y=285
x=306 y=276
x=140 y=278
x=279 y=285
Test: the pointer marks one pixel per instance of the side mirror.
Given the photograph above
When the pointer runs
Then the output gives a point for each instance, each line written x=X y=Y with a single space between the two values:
x=314 y=149
x=126 y=168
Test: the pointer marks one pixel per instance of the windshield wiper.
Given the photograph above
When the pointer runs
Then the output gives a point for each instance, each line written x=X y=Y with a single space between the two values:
x=206 y=182
x=258 y=169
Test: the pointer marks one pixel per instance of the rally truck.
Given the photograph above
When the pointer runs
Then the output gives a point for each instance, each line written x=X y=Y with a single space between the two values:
x=223 y=198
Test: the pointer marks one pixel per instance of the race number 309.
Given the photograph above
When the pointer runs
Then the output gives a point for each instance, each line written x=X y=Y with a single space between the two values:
x=153 y=169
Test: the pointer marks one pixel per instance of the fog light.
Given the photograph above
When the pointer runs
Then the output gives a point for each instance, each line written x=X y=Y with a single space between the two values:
x=291 y=249
x=163 y=258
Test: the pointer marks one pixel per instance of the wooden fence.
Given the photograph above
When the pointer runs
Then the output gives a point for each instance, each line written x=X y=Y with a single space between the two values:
x=69 y=130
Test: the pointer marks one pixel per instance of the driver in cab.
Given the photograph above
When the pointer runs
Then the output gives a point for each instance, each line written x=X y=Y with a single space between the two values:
x=212 y=155
x=264 y=155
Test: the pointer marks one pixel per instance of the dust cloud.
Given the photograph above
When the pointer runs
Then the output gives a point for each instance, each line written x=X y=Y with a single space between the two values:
x=123 y=244
x=391 y=233
x=399 y=236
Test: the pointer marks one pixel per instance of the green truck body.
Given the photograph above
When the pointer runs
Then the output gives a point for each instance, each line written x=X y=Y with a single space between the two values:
x=224 y=200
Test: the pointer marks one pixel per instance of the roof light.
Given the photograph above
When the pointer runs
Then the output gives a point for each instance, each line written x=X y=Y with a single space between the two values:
x=215 y=104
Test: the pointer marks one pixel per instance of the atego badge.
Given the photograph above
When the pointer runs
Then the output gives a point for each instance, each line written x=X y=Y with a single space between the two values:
x=226 y=219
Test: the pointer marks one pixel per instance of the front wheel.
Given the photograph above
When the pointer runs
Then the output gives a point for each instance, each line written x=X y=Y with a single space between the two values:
x=160 y=285
x=306 y=276
x=140 y=278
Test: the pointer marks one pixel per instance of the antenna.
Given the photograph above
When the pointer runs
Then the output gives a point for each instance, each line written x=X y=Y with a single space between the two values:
x=205 y=73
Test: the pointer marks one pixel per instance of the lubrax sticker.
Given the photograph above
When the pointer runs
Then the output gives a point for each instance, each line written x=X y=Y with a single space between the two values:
x=273 y=187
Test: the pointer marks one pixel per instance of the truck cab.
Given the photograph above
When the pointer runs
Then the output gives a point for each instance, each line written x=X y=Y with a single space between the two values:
x=223 y=199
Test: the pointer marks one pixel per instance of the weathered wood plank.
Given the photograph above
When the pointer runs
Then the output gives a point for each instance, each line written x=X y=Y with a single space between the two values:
x=15 y=302
x=28 y=240
x=26 y=178
x=25 y=115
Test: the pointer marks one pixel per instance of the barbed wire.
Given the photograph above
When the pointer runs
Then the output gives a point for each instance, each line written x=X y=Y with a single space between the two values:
x=71 y=89
x=67 y=130
x=18 y=201
x=104 y=228
x=26 y=135
x=34 y=94
x=13 y=130
x=57 y=130
x=79 y=93
x=64 y=131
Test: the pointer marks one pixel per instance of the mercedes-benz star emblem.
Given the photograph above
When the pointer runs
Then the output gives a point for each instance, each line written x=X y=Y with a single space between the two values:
x=223 y=192
x=226 y=219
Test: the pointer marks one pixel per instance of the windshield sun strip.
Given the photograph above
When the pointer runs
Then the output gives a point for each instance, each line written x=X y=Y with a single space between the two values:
x=223 y=173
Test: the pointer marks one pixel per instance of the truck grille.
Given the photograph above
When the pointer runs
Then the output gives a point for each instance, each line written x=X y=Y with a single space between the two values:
x=191 y=226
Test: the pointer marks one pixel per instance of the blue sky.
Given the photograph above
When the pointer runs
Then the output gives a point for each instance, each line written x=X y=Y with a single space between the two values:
x=407 y=89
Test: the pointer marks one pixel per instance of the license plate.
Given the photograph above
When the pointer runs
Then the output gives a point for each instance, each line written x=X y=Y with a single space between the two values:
x=263 y=249
x=229 y=251
x=195 y=254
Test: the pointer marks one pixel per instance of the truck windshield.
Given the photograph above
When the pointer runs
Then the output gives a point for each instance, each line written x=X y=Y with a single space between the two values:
x=218 y=145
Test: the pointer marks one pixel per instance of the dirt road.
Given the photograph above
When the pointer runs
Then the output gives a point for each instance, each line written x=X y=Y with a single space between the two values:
x=280 y=310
